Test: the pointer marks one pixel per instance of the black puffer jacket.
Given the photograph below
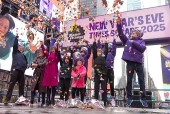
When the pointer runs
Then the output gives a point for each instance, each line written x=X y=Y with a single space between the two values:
x=66 y=68
x=100 y=61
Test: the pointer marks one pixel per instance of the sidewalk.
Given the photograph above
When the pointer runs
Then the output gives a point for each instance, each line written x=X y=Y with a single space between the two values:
x=27 y=110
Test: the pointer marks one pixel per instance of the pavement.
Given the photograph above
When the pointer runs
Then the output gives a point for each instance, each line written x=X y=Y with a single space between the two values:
x=54 y=110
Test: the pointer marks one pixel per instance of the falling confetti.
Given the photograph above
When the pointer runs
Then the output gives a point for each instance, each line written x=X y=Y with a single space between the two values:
x=104 y=2
x=87 y=11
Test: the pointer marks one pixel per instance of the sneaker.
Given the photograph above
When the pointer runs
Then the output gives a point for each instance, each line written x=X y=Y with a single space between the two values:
x=6 y=103
x=42 y=105
x=113 y=102
x=144 y=103
x=21 y=99
x=30 y=105
x=129 y=102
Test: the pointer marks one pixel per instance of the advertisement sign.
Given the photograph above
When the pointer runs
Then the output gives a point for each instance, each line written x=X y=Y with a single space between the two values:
x=165 y=60
x=154 y=22
x=46 y=7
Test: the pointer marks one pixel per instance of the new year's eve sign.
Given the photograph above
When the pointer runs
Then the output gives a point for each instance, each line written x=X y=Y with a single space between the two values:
x=153 y=21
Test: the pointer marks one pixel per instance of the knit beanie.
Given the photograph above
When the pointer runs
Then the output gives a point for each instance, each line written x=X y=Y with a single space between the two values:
x=138 y=32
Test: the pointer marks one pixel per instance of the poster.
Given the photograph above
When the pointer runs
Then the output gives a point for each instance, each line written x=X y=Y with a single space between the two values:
x=154 y=22
x=9 y=26
x=165 y=60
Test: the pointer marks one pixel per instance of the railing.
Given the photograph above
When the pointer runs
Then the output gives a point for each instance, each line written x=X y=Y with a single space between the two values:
x=5 y=77
x=120 y=94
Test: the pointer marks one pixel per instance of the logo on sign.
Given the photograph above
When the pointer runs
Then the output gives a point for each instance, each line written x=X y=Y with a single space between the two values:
x=76 y=33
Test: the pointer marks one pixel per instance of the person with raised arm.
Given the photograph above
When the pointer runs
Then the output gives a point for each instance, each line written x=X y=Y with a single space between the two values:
x=51 y=72
x=19 y=65
x=78 y=73
x=66 y=64
x=100 y=69
x=110 y=68
x=133 y=56
x=86 y=53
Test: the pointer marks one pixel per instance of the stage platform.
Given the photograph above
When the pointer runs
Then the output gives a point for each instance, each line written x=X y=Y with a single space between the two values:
x=117 y=110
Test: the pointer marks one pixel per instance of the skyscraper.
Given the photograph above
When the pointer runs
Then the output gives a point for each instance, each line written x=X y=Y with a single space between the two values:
x=133 y=4
x=101 y=10
x=95 y=7
x=167 y=1
x=88 y=4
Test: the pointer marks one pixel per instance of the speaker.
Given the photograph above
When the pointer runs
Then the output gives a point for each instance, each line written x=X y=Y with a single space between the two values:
x=136 y=96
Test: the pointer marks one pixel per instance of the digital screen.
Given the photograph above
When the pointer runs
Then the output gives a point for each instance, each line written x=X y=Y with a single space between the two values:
x=9 y=26
x=37 y=3
x=46 y=7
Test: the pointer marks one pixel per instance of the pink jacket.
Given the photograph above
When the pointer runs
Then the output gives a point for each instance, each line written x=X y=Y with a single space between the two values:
x=78 y=82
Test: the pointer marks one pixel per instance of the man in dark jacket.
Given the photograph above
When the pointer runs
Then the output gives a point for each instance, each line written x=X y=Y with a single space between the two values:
x=19 y=65
x=100 y=70
x=133 y=55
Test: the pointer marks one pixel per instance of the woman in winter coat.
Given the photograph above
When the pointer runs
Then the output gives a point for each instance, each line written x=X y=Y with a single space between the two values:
x=51 y=73
x=78 y=74
x=39 y=64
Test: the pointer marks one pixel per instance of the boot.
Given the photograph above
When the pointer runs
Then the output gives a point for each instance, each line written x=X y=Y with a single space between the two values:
x=61 y=95
x=66 y=95
x=43 y=99
x=53 y=96
x=48 y=102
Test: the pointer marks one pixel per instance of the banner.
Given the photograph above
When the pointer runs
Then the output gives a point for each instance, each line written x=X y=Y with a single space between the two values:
x=154 y=22
x=165 y=60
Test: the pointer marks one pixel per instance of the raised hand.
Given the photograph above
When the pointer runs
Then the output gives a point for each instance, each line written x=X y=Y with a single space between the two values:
x=94 y=38
x=106 y=40
x=86 y=41
x=119 y=20
x=114 y=38
x=41 y=42
x=59 y=47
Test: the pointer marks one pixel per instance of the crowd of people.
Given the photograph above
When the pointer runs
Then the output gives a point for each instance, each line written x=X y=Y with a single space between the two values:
x=73 y=69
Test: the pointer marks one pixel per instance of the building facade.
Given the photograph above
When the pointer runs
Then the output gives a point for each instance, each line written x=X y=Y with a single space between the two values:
x=88 y=4
x=94 y=6
x=133 y=5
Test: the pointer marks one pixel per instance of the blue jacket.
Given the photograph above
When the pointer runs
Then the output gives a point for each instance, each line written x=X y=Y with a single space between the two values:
x=132 y=51
x=19 y=60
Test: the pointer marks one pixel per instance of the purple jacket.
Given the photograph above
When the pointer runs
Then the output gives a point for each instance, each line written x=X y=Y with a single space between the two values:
x=132 y=51
x=87 y=56
x=111 y=55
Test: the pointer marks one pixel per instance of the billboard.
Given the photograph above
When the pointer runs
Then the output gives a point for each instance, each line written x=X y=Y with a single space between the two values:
x=154 y=22
x=165 y=60
x=9 y=26
x=46 y=7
